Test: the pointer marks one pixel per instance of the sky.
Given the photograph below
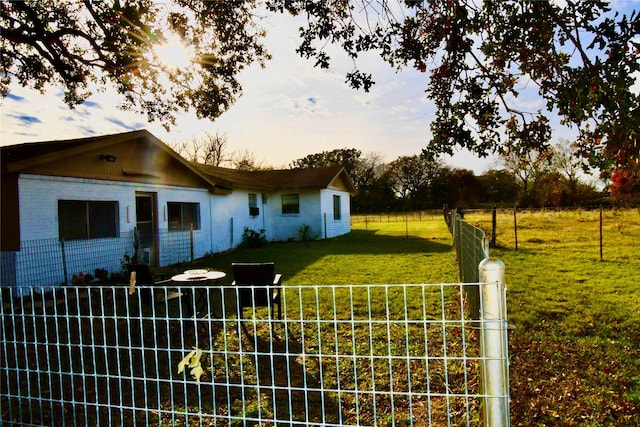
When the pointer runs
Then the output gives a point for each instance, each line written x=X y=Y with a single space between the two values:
x=288 y=110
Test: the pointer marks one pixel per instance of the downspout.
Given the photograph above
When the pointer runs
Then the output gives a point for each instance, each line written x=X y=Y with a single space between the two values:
x=211 y=223
x=264 y=200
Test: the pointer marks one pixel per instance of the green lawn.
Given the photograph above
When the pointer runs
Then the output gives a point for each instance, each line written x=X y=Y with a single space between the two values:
x=379 y=253
x=575 y=349
x=575 y=342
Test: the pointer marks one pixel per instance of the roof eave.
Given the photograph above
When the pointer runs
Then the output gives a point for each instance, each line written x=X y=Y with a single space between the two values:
x=350 y=184
x=19 y=165
x=107 y=141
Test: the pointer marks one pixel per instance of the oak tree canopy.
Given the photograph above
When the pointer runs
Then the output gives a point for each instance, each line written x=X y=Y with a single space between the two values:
x=579 y=57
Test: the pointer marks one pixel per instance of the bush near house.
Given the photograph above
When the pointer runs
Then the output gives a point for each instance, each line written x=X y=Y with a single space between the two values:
x=253 y=239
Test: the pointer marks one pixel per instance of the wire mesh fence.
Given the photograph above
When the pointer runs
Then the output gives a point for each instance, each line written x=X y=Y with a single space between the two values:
x=54 y=262
x=341 y=355
x=471 y=248
x=418 y=215
x=401 y=224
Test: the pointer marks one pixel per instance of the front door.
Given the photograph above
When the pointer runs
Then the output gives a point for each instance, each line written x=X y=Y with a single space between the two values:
x=147 y=226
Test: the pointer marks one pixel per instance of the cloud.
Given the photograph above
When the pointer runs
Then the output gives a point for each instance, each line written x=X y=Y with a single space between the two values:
x=91 y=104
x=87 y=130
x=26 y=120
x=124 y=125
x=303 y=107
x=16 y=97
x=27 y=134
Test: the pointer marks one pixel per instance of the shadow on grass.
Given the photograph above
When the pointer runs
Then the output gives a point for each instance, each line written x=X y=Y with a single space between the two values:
x=290 y=380
x=98 y=356
x=292 y=258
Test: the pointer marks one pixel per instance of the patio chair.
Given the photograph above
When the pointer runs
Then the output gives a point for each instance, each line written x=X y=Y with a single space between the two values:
x=144 y=277
x=258 y=285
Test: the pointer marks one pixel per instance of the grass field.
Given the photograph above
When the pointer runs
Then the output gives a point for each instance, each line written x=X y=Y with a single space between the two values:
x=575 y=342
x=365 y=256
x=575 y=349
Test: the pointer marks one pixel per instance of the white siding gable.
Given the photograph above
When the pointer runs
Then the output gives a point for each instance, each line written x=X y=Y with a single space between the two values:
x=333 y=227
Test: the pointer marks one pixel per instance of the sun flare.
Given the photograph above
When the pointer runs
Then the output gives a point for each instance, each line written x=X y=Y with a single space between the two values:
x=173 y=54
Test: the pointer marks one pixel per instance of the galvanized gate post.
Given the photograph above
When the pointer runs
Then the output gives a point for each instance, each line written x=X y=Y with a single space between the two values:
x=493 y=343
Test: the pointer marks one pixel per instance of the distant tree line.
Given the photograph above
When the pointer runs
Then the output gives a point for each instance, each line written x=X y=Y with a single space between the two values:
x=536 y=178
x=413 y=182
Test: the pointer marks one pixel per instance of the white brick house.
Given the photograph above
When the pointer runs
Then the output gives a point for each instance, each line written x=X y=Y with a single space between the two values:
x=285 y=200
x=82 y=200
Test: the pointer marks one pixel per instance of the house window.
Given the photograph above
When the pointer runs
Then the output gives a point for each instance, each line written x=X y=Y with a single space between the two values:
x=290 y=203
x=183 y=215
x=253 y=205
x=336 y=208
x=80 y=219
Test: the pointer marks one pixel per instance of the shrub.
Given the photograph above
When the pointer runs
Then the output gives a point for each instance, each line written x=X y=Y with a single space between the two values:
x=253 y=239
x=306 y=234
x=101 y=275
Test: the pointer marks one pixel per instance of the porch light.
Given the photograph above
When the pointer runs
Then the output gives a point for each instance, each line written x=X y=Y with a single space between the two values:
x=108 y=158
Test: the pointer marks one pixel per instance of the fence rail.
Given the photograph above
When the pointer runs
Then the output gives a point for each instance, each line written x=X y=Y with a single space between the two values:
x=342 y=355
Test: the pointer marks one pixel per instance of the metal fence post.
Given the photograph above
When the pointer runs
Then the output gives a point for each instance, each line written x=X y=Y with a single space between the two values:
x=191 y=243
x=493 y=227
x=515 y=226
x=457 y=240
x=493 y=343
x=600 y=232
x=64 y=262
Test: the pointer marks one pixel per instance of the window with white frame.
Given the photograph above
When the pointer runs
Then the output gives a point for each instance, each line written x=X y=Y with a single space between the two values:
x=83 y=219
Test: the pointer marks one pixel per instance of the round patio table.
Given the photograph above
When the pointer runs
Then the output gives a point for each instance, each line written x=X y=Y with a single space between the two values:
x=199 y=277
